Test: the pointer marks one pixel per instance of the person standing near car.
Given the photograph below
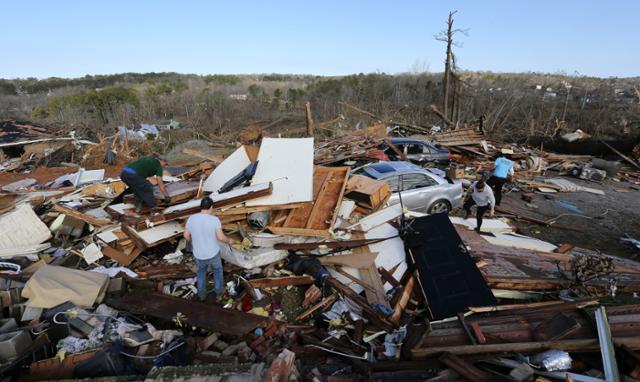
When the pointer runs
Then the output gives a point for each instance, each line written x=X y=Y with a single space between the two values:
x=481 y=195
x=502 y=172
x=204 y=230
x=135 y=176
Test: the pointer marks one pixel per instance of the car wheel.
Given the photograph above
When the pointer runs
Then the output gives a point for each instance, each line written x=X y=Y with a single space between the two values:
x=440 y=207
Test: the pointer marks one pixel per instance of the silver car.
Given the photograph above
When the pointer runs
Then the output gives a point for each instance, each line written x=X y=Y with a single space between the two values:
x=421 y=189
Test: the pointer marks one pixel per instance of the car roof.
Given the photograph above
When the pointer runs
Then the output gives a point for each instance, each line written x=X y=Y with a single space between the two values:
x=384 y=169
x=408 y=140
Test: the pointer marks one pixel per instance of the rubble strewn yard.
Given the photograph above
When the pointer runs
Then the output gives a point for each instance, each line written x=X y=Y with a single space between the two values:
x=331 y=277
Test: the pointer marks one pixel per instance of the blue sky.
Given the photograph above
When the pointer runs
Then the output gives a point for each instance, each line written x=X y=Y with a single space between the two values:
x=73 y=38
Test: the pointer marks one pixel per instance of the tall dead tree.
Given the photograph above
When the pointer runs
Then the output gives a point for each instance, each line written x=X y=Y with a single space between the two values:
x=446 y=36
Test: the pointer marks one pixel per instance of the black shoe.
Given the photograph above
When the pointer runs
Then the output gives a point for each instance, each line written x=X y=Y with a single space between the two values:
x=477 y=230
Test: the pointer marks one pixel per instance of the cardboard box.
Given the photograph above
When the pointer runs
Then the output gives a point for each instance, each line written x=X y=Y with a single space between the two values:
x=13 y=344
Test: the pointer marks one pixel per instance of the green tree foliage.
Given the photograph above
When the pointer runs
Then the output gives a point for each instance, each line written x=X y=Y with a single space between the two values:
x=222 y=79
x=102 y=102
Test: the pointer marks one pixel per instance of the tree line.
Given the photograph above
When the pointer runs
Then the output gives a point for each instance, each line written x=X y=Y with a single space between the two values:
x=512 y=105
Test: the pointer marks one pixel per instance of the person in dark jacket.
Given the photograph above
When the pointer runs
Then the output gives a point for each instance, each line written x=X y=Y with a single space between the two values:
x=135 y=176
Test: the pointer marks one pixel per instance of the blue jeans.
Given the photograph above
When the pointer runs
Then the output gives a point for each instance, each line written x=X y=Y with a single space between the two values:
x=218 y=279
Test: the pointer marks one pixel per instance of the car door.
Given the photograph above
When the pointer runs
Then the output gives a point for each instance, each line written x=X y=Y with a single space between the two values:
x=414 y=152
x=418 y=191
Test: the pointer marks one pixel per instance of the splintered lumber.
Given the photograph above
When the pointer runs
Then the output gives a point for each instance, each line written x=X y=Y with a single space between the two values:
x=460 y=137
x=634 y=163
x=316 y=218
x=354 y=260
x=178 y=192
x=326 y=302
x=206 y=316
x=153 y=236
x=271 y=282
x=165 y=272
x=240 y=195
x=516 y=331
x=403 y=300
x=555 y=328
x=367 y=310
x=342 y=244
x=82 y=216
x=465 y=369
x=369 y=275
x=583 y=345
x=524 y=269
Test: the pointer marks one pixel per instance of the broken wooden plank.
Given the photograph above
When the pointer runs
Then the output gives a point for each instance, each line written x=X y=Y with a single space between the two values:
x=346 y=244
x=634 y=163
x=354 y=260
x=272 y=282
x=402 y=302
x=82 y=216
x=326 y=302
x=465 y=369
x=205 y=316
x=316 y=218
x=555 y=328
x=582 y=345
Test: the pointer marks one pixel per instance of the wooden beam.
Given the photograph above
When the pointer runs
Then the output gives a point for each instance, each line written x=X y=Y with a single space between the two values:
x=584 y=345
x=465 y=369
x=271 y=282
x=81 y=216
x=313 y=309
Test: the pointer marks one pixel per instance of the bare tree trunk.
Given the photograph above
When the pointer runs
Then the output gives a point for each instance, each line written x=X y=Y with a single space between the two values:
x=447 y=64
x=309 y=119
x=457 y=99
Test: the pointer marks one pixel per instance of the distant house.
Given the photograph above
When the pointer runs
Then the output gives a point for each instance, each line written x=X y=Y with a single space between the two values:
x=239 y=97
x=549 y=94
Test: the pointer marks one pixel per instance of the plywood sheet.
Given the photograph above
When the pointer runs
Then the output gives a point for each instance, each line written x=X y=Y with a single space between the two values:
x=488 y=225
x=288 y=163
x=519 y=241
x=229 y=168
x=155 y=235
x=391 y=251
x=22 y=228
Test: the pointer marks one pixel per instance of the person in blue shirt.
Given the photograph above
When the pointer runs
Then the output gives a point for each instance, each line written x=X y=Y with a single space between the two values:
x=502 y=172
x=205 y=233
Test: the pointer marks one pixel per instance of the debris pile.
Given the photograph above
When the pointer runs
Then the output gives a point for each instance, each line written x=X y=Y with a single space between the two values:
x=333 y=274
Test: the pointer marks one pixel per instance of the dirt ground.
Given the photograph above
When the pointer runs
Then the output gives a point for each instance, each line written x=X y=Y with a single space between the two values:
x=603 y=221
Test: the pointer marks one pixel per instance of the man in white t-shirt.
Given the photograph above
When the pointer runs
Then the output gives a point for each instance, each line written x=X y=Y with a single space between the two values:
x=205 y=233
x=482 y=196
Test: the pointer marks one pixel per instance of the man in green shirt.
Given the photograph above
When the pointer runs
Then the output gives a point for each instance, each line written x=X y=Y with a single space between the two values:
x=135 y=176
